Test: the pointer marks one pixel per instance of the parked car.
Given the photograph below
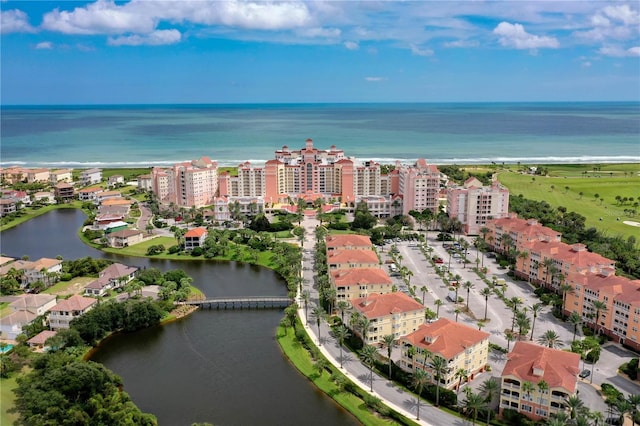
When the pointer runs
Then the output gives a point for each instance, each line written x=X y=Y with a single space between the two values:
x=438 y=260
x=584 y=374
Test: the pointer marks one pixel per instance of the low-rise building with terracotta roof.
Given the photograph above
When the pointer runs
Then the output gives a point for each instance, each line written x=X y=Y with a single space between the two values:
x=61 y=314
x=392 y=313
x=513 y=231
x=463 y=347
x=348 y=242
x=195 y=238
x=64 y=190
x=11 y=325
x=125 y=238
x=37 y=304
x=45 y=269
x=359 y=282
x=347 y=259
x=101 y=197
x=534 y=364
x=89 y=194
x=113 y=277
x=37 y=175
x=38 y=341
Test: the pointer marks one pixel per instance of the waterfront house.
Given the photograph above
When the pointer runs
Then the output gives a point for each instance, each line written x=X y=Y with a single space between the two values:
x=90 y=177
x=115 y=180
x=195 y=238
x=392 y=313
x=534 y=364
x=89 y=194
x=63 y=191
x=61 y=314
x=125 y=238
x=45 y=269
x=103 y=220
x=107 y=195
x=346 y=259
x=115 y=227
x=354 y=283
x=113 y=277
x=463 y=348
x=7 y=206
x=46 y=197
x=37 y=304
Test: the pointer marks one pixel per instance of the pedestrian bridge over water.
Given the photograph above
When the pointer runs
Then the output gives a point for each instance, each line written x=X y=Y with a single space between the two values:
x=260 y=302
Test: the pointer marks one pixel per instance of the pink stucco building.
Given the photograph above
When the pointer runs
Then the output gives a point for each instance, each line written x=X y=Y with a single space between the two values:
x=474 y=204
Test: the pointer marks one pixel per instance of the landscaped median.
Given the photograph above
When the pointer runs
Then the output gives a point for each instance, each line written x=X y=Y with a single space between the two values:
x=297 y=346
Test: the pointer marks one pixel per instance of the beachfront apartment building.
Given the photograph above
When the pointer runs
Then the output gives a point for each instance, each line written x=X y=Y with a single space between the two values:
x=309 y=174
x=474 y=204
x=357 y=282
x=462 y=347
x=37 y=175
x=11 y=175
x=389 y=314
x=513 y=232
x=90 y=177
x=188 y=184
x=62 y=175
x=551 y=374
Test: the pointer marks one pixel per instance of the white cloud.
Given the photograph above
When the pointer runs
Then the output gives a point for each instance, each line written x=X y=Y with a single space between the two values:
x=586 y=64
x=462 y=43
x=420 y=51
x=14 y=21
x=514 y=35
x=374 y=79
x=44 y=45
x=156 y=38
x=618 y=22
x=619 y=52
x=319 y=32
x=623 y=13
x=351 y=45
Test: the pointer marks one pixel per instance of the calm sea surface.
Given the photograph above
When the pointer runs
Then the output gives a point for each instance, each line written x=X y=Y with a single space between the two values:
x=83 y=136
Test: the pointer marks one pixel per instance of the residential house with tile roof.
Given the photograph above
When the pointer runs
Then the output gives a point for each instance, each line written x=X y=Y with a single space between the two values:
x=391 y=313
x=463 y=347
x=38 y=341
x=113 y=277
x=347 y=242
x=125 y=238
x=37 y=304
x=65 y=311
x=89 y=194
x=11 y=325
x=44 y=269
x=534 y=364
x=195 y=238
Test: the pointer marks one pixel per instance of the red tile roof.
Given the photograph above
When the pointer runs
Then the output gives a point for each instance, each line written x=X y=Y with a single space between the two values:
x=74 y=303
x=348 y=240
x=445 y=337
x=352 y=256
x=196 y=233
x=558 y=368
x=41 y=337
x=380 y=305
x=358 y=276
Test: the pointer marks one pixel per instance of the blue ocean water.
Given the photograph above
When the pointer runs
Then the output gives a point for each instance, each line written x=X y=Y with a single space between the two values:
x=464 y=133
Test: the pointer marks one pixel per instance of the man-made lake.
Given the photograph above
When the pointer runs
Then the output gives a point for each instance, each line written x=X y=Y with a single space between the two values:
x=222 y=367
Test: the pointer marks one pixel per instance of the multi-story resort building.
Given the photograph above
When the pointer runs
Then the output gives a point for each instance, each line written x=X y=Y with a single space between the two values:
x=347 y=242
x=389 y=314
x=463 y=348
x=353 y=283
x=582 y=277
x=474 y=205
x=309 y=174
x=536 y=380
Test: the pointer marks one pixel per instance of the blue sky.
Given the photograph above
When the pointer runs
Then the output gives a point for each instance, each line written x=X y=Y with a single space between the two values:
x=147 y=51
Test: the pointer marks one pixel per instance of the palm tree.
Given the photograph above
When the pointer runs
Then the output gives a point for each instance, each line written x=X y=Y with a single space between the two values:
x=575 y=404
x=599 y=306
x=528 y=387
x=342 y=306
x=468 y=285
x=388 y=341
x=341 y=334
x=438 y=303
x=543 y=387
x=486 y=292
x=306 y=296
x=363 y=325
x=550 y=339
x=565 y=289
x=510 y=337
x=457 y=312
x=369 y=354
x=523 y=323
x=597 y=417
x=461 y=374
x=634 y=401
x=424 y=290
x=420 y=378
x=513 y=303
x=575 y=319
x=489 y=389
x=535 y=309
x=439 y=366
x=317 y=313
x=473 y=403
x=320 y=365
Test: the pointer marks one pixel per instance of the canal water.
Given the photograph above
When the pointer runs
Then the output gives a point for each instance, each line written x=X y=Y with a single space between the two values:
x=222 y=367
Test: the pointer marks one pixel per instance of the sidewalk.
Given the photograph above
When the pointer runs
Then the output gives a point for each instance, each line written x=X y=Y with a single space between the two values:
x=394 y=397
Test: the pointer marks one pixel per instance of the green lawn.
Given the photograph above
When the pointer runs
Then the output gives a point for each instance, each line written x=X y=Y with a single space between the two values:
x=300 y=358
x=567 y=191
x=6 y=400
x=140 y=250
x=4 y=311
x=64 y=288
x=127 y=173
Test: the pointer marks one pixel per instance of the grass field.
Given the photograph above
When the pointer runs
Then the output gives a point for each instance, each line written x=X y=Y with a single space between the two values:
x=7 y=397
x=66 y=288
x=567 y=186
